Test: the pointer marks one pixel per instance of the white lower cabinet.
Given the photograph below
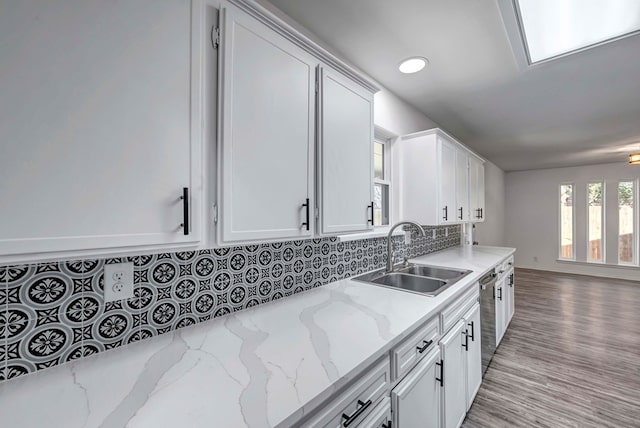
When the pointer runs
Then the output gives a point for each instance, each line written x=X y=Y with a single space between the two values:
x=416 y=399
x=501 y=309
x=510 y=293
x=428 y=381
x=454 y=368
x=474 y=353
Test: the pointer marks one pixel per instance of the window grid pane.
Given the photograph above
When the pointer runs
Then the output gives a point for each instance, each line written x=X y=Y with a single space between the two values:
x=380 y=204
x=378 y=160
x=566 y=221
x=626 y=219
x=594 y=253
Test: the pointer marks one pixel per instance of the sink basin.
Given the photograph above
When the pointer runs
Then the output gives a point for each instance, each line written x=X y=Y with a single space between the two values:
x=419 y=284
x=432 y=272
x=421 y=279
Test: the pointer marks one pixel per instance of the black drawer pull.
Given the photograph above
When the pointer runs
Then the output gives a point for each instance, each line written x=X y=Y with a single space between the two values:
x=481 y=213
x=306 y=223
x=441 y=380
x=472 y=331
x=387 y=425
x=348 y=420
x=185 y=210
x=465 y=345
x=371 y=208
x=460 y=209
x=427 y=343
x=500 y=293
x=446 y=213
x=511 y=280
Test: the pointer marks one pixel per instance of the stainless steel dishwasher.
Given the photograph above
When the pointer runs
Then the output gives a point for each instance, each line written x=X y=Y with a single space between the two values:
x=488 y=317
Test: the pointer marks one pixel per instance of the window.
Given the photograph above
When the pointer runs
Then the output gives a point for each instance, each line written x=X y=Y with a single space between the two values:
x=626 y=222
x=594 y=214
x=382 y=183
x=567 y=222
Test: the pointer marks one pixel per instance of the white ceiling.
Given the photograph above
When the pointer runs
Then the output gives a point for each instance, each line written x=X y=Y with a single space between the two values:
x=581 y=109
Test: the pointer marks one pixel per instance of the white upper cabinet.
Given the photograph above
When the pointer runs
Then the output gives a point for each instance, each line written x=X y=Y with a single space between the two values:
x=476 y=189
x=447 y=176
x=265 y=155
x=287 y=107
x=100 y=126
x=345 y=151
x=438 y=184
x=462 y=185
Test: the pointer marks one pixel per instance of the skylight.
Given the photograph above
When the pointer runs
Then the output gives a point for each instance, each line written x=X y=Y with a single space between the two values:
x=553 y=28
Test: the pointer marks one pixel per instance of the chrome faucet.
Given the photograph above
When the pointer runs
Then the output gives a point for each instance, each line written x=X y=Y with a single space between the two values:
x=391 y=254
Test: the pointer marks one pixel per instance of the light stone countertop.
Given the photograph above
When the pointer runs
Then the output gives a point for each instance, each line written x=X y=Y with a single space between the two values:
x=265 y=366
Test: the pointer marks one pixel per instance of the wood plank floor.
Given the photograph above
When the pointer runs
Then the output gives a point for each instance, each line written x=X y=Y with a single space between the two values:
x=570 y=358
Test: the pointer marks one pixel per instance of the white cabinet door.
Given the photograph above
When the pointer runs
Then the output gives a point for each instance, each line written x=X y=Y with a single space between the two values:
x=266 y=150
x=415 y=401
x=346 y=154
x=511 y=296
x=462 y=186
x=100 y=126
x=455 y=382
x=474 y=353
x=447 y=175
x=476 y=189
x=500 y=299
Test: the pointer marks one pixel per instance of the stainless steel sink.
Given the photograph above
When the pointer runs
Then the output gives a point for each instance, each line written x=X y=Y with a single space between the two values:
x=421 y=279
x=433 y=272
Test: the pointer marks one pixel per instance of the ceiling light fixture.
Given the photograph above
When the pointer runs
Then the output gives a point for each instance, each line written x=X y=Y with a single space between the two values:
x=413 y=64
x=634 y=159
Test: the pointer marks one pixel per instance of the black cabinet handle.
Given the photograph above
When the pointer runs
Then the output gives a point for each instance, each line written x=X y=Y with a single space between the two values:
x=306 y=223
x=473 y=335
x=511 y=280
x=441 y=379
x=348 y=420
x=426 y=345
x=185 y=210
x=371 y=208
x=387 y=425
x=500 y=293
x=481 y=212
x=446 y=213
x=460 y=209
x=465 y=345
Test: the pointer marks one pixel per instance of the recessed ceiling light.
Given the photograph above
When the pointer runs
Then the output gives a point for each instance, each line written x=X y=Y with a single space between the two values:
x=413 y=64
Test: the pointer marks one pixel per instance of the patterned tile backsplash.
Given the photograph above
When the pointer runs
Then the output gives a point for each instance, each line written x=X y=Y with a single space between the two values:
x=51 y=313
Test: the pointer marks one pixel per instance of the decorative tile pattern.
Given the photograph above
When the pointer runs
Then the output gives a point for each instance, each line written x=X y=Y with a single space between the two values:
x=51 y=313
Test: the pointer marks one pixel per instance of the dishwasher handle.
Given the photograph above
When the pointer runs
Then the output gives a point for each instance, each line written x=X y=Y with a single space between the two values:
x=487 y=279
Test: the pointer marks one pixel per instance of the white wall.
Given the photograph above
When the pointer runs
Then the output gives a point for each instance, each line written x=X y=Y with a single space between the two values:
x=396 y=116
x=492 y=231
x=532 y=223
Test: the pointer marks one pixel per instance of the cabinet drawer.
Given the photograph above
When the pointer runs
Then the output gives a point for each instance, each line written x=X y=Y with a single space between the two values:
x=356 y=403
x=379 y=417
x=406 y=355
x=455 y=311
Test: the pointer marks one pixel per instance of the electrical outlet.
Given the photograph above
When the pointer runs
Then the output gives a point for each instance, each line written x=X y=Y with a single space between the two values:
x=118 y=282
